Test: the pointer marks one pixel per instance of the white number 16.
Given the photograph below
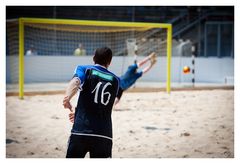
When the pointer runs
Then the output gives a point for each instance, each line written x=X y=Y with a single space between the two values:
x=102 y=94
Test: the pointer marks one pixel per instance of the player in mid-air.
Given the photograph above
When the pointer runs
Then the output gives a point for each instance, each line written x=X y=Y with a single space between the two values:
x=92 y=128
x=132 y=75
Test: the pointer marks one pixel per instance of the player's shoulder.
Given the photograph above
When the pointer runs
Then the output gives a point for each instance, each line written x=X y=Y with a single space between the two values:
x=106 y=71
x=99 y=68
x=83 y=67
x=116 y=77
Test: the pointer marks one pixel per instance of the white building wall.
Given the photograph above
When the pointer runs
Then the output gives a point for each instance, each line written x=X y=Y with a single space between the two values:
x=61 y=68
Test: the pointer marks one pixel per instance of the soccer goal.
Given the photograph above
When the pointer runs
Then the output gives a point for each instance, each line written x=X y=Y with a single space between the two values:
x=41 y=44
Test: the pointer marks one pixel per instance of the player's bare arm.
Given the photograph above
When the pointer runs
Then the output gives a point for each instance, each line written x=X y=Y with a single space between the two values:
x=71 y=117
x=71 y=90
x=153 y=61
x=150 y=57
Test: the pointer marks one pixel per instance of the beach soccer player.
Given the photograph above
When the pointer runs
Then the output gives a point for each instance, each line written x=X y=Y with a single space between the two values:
x=92 y=127
x=132 y=75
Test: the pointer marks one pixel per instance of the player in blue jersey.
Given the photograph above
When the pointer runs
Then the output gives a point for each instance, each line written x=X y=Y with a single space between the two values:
x=92 y=127
x=131 y=75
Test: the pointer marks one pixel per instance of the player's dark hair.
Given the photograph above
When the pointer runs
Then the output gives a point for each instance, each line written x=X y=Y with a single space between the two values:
x=103 y=56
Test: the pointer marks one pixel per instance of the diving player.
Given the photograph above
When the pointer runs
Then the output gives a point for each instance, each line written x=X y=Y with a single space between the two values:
x=131 y=75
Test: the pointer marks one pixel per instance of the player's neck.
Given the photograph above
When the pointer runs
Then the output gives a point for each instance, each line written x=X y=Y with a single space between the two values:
x=100 y=66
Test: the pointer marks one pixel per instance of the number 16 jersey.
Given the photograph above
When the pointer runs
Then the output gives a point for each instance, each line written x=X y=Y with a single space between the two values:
x=99 y=88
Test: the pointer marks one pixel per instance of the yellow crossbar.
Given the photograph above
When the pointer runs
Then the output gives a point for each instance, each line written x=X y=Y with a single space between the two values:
x=23 y=21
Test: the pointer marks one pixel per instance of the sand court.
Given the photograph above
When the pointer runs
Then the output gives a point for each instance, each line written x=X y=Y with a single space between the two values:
x=184 y=124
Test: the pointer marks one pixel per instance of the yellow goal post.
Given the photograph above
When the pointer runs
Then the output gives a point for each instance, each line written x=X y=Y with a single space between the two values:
x=112 y=26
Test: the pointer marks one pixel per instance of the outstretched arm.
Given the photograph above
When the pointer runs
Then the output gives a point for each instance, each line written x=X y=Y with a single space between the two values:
x=71 y=90
x=146 y=59
x=146 y=69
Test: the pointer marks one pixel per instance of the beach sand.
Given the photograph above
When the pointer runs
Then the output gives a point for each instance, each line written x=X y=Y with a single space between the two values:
x=184 y=124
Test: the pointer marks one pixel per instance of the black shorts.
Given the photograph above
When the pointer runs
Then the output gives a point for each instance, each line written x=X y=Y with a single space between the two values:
x=97 y=147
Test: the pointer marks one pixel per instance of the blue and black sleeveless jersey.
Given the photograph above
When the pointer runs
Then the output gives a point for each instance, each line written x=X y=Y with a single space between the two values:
x=99 y=88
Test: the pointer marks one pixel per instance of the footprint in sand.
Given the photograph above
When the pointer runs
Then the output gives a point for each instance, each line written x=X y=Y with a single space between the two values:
x=227 y=154
x=8 y=141
x=57 y=148
x=30 y=153
x=186 y=134
x=150 y=128
x=196 y=150
x=185 y=156
x=224 y=147
x=222 y=126
x=131 y=131
x=55 y=117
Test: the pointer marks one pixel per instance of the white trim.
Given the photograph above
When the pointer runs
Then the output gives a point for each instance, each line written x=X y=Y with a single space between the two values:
x=75 y=71
x=95 y=135
x=80 y=87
